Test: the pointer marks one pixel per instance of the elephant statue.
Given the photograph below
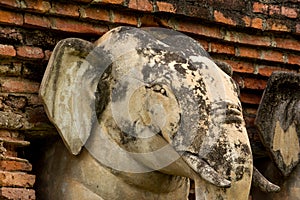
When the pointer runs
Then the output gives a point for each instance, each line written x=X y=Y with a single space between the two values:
x=278 y=123
x=141 y=112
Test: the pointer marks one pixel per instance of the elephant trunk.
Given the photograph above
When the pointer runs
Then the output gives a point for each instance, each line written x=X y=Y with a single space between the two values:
x=222 y=159
x=262 y=183
x=205 y=171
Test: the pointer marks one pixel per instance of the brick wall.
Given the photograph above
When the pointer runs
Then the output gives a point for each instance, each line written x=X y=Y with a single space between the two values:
x=255 y=37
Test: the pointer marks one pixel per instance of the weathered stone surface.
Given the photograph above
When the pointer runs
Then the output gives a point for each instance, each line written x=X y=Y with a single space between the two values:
x=290 y=188
x=278 y=120
x=153 y=100
x=82 y=177
x=289 y=185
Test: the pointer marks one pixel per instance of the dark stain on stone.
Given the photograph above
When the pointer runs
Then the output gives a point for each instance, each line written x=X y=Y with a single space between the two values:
x=245 y=148
x=172 y=56
x=127 y=138
x=239 y=173
x=216 y=155
x=180 y=69
x=119 y=91
x=240 y=160
x=219 y=197
x=103 y=92
x=191 y=66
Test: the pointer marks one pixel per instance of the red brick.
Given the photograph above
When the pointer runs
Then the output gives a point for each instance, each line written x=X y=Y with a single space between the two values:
x=17 y=193
x=255 y=83
x=250 y=98
x=14 y=165
x=276 y=25
x=221 y=48
x=74 y=26
x=37 y=5
x=11 y=17
x=240 y=66
x=298 y=28
x=275 y=56
x=148 y=20
x=260 y=8
x=203 y=43
x=65 y=9
x=94 y=13
x=219 y=17
x=248 y=52
x=249 y=121
x=124 y=18
x=10 y=153
x=289 y=12
x=4 y=133
x=274 y=10
x=167 y=23
x=196 y=28
x=293 y=59
x=36 y=21
x=196 y=11
x=117 y=2
x=287 y=44
x=18 y=86
x=47 y=54
x=244 y=38
x=232 y=36
x=16 y=179
x=165 y=7
x=10 y=133
x=30 y=52
x=268 y=70
x=247 y=21
x=15 y=142
x=257 y=23
x=7 y=50
x=10 y=3
x=143 y=5
x=238 y=79
x=85 y=1
x=250 y=111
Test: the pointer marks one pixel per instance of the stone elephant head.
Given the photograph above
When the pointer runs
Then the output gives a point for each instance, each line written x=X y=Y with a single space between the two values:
x=148 y=107
x=278 y=123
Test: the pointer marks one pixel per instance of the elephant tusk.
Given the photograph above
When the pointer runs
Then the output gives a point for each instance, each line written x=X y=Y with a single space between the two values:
x=205 y=170
x=262 y=183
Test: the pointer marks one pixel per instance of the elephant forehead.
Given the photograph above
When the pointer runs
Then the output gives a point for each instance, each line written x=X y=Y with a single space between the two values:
x=156 y=106
x=145 y=58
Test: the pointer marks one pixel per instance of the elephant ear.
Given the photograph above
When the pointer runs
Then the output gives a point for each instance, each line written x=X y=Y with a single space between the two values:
x=278 y=120
x=68 y=89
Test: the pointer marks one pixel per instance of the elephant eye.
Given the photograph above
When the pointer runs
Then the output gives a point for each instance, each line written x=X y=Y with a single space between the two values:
x=158 y=88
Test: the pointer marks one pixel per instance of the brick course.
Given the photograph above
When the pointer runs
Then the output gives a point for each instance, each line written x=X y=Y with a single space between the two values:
x=17 y=193
x=7 y=50
x=15 y=180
